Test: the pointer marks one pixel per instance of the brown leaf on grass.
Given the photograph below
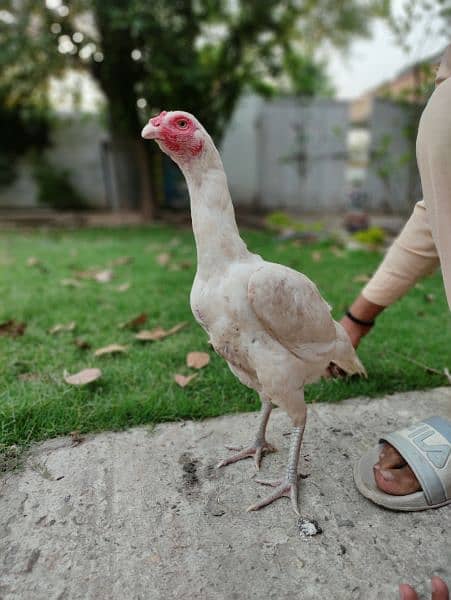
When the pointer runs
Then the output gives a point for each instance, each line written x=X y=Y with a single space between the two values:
x=158 y=333
x=62 y=327
x=88 y=274
x=32 y=261
x=99 y=275
x=83 y=377
x=197 y=360
x=183 y=380
x=82 y=344
x=182 y=265
x=12 y=328
x=29 y=377
x=163 y=259
x=134 y=322
x=121 y=260
x=123 y=287
x=363 y=278
x=71 y=283
x=77 y=438
x=111 y=349
x=152 y=335
x=104 y=276
x=338 y=252
x=316 y=256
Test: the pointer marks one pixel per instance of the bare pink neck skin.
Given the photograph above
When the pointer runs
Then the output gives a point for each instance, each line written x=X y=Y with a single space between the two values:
x=218 y=241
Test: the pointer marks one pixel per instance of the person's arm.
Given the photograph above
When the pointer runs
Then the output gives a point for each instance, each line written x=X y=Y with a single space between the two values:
x=412 y=256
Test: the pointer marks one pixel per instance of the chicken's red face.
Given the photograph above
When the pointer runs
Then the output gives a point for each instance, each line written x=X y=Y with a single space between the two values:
x=177 y=133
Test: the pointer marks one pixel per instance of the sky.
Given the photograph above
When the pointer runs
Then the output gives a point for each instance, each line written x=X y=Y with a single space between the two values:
x=372 y=61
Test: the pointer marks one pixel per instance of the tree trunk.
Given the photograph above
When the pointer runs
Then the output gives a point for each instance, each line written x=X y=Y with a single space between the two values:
x=132 y=182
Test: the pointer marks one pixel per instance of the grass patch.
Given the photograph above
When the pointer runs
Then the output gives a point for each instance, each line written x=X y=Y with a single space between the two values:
x=138 y=387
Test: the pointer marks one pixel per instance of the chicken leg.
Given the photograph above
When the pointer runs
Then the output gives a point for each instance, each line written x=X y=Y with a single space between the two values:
x=260 y=445
x=289 y=485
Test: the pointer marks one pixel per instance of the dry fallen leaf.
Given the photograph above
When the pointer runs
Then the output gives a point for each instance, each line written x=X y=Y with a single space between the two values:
x=71 y=282
x=197 y=360
x=336 y=251
x=77 y=439
x=104 y=276
x=83 y=377
x=123 y=287
x=121 y=260
x=29 y=377
x=62 y=327
x=158 y=333
x=151 y=335
x=32 y=261
x=183 y=380
x=82 y=344
x=111 y=349
x=163 y=259
x=316 y=256
x=135 y=322
x=361 y=278
x=12 y=328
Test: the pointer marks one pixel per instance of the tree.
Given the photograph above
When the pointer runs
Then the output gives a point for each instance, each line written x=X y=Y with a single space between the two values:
x=198 y=55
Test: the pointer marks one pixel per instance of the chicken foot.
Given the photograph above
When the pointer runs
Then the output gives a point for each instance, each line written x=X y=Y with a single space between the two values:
x=260 y=445
x=287 y=487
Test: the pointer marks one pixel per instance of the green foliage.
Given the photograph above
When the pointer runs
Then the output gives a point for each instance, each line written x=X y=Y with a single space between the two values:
x=55 y=188
x=23 y=126
x=280 y=220
x=373 y=236
x=194 y=54
x=307 y=76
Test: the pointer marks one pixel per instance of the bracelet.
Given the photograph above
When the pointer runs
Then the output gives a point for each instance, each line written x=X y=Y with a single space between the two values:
x=359 y=321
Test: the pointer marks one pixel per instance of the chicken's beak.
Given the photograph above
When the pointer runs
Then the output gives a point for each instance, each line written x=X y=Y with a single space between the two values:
x=149 y=132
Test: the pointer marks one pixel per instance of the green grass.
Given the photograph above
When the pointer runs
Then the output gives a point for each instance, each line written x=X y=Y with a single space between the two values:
x=138 y=387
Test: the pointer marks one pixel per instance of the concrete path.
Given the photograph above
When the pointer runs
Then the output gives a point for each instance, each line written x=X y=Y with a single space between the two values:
x=144 y=515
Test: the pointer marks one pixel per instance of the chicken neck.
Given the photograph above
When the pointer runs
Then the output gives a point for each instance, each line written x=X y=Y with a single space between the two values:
x=218 y=241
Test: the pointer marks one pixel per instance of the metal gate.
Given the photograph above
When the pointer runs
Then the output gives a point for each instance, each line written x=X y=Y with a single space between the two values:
x=302 y=155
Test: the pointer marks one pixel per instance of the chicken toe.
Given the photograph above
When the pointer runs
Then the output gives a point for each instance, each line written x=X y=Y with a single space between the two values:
x=258 y=448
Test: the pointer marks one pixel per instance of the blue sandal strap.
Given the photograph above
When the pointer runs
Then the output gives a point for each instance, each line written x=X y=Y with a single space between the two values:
x=426 y=447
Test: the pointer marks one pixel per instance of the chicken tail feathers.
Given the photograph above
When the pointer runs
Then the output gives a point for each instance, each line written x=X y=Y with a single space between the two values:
x=345 y=357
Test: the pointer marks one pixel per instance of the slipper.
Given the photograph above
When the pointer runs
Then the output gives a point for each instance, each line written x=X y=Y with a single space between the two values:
x=426 y=448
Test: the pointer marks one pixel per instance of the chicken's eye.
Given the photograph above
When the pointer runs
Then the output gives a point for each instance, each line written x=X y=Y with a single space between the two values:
x=182 y=123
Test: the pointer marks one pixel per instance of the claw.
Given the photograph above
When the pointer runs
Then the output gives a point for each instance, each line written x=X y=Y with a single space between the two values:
x=283 y=489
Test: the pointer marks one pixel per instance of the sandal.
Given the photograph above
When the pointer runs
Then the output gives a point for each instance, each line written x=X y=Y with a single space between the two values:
x=426 y=448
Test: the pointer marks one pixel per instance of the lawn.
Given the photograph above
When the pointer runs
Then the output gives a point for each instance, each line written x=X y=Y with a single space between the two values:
x=137 y=387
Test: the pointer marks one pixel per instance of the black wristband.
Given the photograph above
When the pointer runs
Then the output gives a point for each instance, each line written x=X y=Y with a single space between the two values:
x=359 y=321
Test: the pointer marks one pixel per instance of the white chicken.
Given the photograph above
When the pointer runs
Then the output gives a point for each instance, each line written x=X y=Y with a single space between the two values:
x=266 y=320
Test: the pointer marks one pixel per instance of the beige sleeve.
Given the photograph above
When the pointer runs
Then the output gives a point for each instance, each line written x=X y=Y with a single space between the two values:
x=412 y=255
x=425 y=241
x=434 y=162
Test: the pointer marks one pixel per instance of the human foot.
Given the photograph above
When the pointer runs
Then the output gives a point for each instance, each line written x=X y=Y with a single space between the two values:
x=439 y=591
x=393 y=475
